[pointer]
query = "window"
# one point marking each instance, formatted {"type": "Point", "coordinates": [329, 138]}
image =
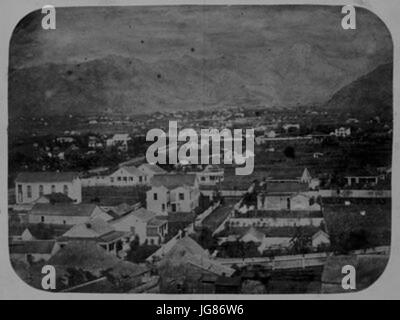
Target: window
{"type": "Point", "coordinates": [112, 180]}
{"type": "Point", "coordinates": [64, 222]}
{"type": "Point", "coordinates": [42, 219]}
{"type": "Point", "coordinates": [140, 179]}
{"type": "Point", "coordinates": [151, 241]}
{"type": "Point", "coordinates": [155, 197]}
{"type": "Point", "coordinates": [29, 191]}
{"type": "Point", "coordinates": [126, 179]}
{"type": "Point", "coordinates": [119, 178]}
{"type": "Point", "coordinates": [181, 196]}
{"type": "Point", "coordinates": [203, 178]}
{"type": "Point", "coordinates": [173, 207]}
{"type": "Point", "coordinates": [19, 193]}
{"type": "Point", "coordinates": [130, 178]}
{"type": "Point", "coordinates": [163, 207]}
{"type": "Point", "coordinates": [66, 190]}
{"type": "Point", "coordinates": [53, 189]}
{"type": "Point", "coordinates": [40, 190]}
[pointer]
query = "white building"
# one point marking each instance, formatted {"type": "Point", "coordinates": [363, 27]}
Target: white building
{"type": "Point", "coordinates": [151, 169]}
{"type": "Point", "coordinates": [173, 193]}
{"type": "Point", "coordinates": [211, 175]}
{"type": "Point", "coordinates": [144, 224]}
{"type": "Point", "coordinates": [120, 141]}
{"type": "Point", "coordinates": [128, 176]}
{"type": "Point", "coordinates": [320, 238]}
{"type": "Point", "coordinates": [65, 214]}
{"type": "Point", "coordinates": [30, 186]}
{"type": "Point", "coordinates": [342, 132]}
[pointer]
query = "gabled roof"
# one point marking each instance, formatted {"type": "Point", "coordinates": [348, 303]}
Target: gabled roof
{"type": "Point", "coordinates": [144, 214]}
{"type": "Point", "coordinates": [255, 233]}
{"type": "Point", "coordinates": [153, 168]}
{"type": "Point", "coordinates": [63, 209]}
{"type": "Point", "coordinates": [188, 251]}
{"type": "Point", "coordinates": [94, 228]}
{"type": "Point", "coordinates": [320, 232]}
{"type": "Point", "coordinates": [32, 247]}
{"type": "Point", "coordinates": [132, 170]}
{"type": "Point", "coordinates": [46, 177]}
{"type": "Point", "coordinates": [173, 181]}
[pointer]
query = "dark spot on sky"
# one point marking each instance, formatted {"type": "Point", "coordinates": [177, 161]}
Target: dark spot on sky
{"type": "Point", "coordinates": [69, 72]}
{"type": "Point", "coordinates": [192, 49]}
{"type": "Point", "coordinates": [141, 41]}
{"type": "Point", "coordinates": [159, 76]}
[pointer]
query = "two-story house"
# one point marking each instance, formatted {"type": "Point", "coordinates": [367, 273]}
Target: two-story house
{"type": "Point", "coordinates": [30, 186]}
{"type": "Point", "coordinates": [144, 224]}
{"type": "Point", "coordinates": [173, 193]}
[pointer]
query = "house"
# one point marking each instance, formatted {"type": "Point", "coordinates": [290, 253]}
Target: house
{"type": "Point", "coordinates": [65, 140]}
{"type": "Point", "coordinates": [150, 170]}
{"type": "Point", "coordinates": [30, 186]}
{"type": "Point", "coordinates": [120, 141]}
{"type": "Point", "coordinates": [19, 233]}
{"type": "Point", "coordinates": [94, 143]}
{"type": "Point", "coordinates": [65, 213]}
{"type": "Point", "coordinates": [320, 238]}
{"type": "Point", "coordinates": [101, 232]}
{"type": "Point", "coordinates": [91, 262]}
{"type": "Point", "coordinates": [211, 175]}
{"type": "Point", "coordinates": [342, 132]}
{"type": "Point", "coordinates": [297, 202]}
{"type": "Point", "coordinates": [31, 251]}
{"type": "Point", "coordinates": [144, 224]}
{"type": "Point", "coordinates": [291, 174]}
{"type": "Point", "coordinates": [173, 193]}
{"type": "Point", "coordinates": [186, 264]}
{"type": "Point", "coordinates": [128, 176]}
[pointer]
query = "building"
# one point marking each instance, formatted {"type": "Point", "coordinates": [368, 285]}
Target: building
{"type": "Point", "coordinates": [65, 214]}
{"type": "Point", "coordinates": [120, 141]}
{"type": "Point", "coordinates": [151, 169]}
{"type": "Point", "coordinates": [320, 238]}
{"type": "Point", "coordinates": [101, 232]}
{"type": "Point", "coordinates": [342, 132]}
{"type": "Point", "coordinates": [94, 143]}
{"type": "Point", "coordinates": [211, 175]}
{"type": "Point", "coordinates": [285, 201]}
{"type": "Point", "coordinates": [128, 176]}
{"type": "Point", "coordinates": [122, 177]}
{"type": "Point", "coordinates": [30, 186]}
{"type": "Point", "coordinates": [294, 174]}
{"type": "Point", "coordinates": [31, 251]}
{"type": "Point", "coordinates": [144, 224]}
{"type": "Point", "coordinates": [173, 193]}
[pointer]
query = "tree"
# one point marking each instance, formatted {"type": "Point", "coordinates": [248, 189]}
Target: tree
{"type": "Point", "coordinates": [289, 152]}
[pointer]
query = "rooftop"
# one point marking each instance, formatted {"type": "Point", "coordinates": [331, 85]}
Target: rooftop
{"type": "Point", "coordinates": [32, 177]}
{"type": "Point", "coordinates": [172, 181]}
{"type": "Point", "coordinates": [32, 247]}
{"type": "Point", "coordinates": [63, 209]}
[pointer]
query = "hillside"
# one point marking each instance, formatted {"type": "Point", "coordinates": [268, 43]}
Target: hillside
{"type": "Point", "coordinates": [368, 96]}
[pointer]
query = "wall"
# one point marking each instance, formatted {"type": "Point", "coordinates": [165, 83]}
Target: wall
{"type": "Point", "coordinates": [74, 190]}
{"type": "Point", "coordinates": [275, 222]}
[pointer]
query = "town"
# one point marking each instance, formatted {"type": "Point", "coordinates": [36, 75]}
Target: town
{"type": "Point", "coordinates": [84, 199]}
